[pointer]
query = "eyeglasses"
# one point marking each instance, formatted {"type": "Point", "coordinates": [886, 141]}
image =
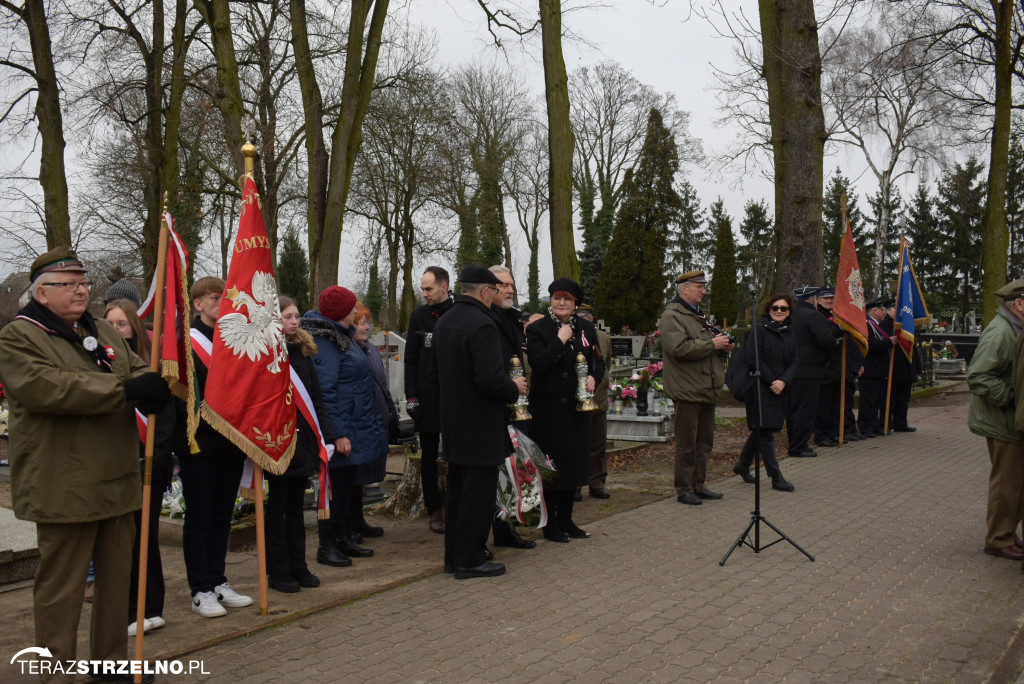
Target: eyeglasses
{"type": "Point", "coordinates": [780, 309]}
{"type": "Point", "coordinates": [494, 288]}
{"type": "Point", "coordinates": [562, 299]}
{"type": "Point", "coordinates": [122, 325]}
{"type": "Point", "coordinates": [71, 285]}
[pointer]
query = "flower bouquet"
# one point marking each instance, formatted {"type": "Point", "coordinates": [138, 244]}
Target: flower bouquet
{"type": "Point", "coordinates": [520, 482]}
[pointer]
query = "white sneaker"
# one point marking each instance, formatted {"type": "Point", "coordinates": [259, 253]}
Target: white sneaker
{"type": "Point", "coordinates": [205, 603]}
{"type": "Point", "coordinates": [155, 622]}
{"type": "Point", "coordinates": [231, 598]}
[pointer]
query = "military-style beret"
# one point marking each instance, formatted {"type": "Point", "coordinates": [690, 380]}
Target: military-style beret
{"type": "Point", "coordinates": [57, 259]}
{"type": "Point", "coordinates": [475, 273]}
{"type": "Point", "coordinates": [875, 303]}
{"type": "Point", "coordinates": [806, 291]}
{"type": "Point", "coordinates": [1012, 290]}
{"type": "Point", "coordinates": [691, 277]}
{"type": "Point", "coordinates": [585, 307]}
{"type": "Point", "coordinates": [566, 285]}
{"type": "Point", "coordinates": [827, 291]}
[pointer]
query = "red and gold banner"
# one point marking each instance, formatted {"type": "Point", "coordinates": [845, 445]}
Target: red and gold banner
{"type": "Point", "coordinates": [249, 396]}
{"type": "Point", "coordinates": [848, 310]}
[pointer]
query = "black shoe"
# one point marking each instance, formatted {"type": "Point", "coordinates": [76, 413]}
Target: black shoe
{"type": "Point", "coordinates": [556, 534]}
{"type": "Point", "coordinates": [578, 495]}
{"type": "Point", "coordinates": [285, 585]}
{"type": "Point", "coordinates": [806, 453]}
{"type": "Point", "coordinates": [743, 473]}
{"type": "Point", "coordinates": [905, 428]}
{"type": "Point", "coordinates": [867, 435]}
{"type": "Point", "coordinates": [356, 537]}
{"type": "Point", "coordinates": [510, 538]}
{"type": "Point", "coordinates": [488, 554]}
{"type": "Point", "coordinates": [782, 484]}
{"type": "Point", "coordinates": [601, 493]}
{"type": "Point", "coordinates": [306, 579]}
{"type": "Point", "coordinates": [689, 498]}
{"type": "Point", "coordinates": [487, 569]}
{"type": "Point", "coordinates": [573, 530]}
{"type": "Point", "coordinates": [824, 442]}
{"type": "Point", "coordinates": [330, 555]}
{"type": "Point", "coordinates": [367, 530]}
{"type": "Point", "coordinates": [708, 494]}
{"type": "Point", "coordinates": [853, 437]}
{"type": "Point", "coordinates": [351, 548]}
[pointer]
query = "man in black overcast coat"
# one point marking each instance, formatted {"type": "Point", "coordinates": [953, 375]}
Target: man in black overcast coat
{"type": "Point", "coordinates": [475, 389]}
{"type": "Point", "coordinates": [816, 337]}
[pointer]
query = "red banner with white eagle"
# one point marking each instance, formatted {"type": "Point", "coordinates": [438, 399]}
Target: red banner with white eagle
{"type": "Point", "coordinates": [249, 396]}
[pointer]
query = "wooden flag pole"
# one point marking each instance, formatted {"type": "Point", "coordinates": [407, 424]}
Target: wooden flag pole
{"type": "Point", "coordinates": [842, 394]}
{"type": "Point", "coordinates": [147, 478]}
{"type": "Point", "coordinates": [261, 541]}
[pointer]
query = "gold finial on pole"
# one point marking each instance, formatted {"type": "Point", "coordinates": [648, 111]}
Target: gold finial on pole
{"type": "Point", "coordinates": [248, 149]}
{"type": "Point", "coordinates": [167, 201]}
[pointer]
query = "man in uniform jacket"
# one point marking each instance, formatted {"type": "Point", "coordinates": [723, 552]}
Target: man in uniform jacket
{"type": "Point", "coordinates": [991, 415]}
{"type": "Point", "coordinates": [73, 385]}
{"type": "Point", "coordinates": [474, 389]}
{"type": "Point", "coordinates": [420, 390]}
{"type": "Point", "coordinates": [510, 332]}
{"type": "Point", "coordinates": [876, 372]}
{"type": "Point", "coordinates": [904, 372]}
{"type": "Point", "coordinates": [693, 375]}
{"type": "Point", "coordinates": [816, 338]}
{"type": "Point", "coordinates": [826, 423]}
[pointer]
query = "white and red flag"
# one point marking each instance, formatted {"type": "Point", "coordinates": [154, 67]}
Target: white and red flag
{"type": "Point", "coordinates": [848, 310]}
{"type": "Point", "coordinates": [249, 397]}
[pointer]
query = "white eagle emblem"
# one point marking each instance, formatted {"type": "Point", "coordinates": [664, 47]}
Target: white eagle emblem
{"type": "Point", "coordinates": [856, 288]}
{"type": "Point", "coordinates": [261, 331]}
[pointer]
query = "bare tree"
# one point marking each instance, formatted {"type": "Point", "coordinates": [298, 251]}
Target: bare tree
{"type": "Point", "coordinates": [527, 188]}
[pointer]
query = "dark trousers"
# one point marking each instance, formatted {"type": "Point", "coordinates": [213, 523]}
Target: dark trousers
{"type": "Point", "coordinates": [695, 436]}
{"type": "Point", "coordinates": [340, 523]}
{"type": "Point", "coordinates": [154, 567]}
{"type": "Point", "coordinates": [826, 424]}
{"type": "Point", "coordinates": [872, 404]}
{"type": "Point", "coordinates": [64, 553]}
{"type": "Point", "coordinates": [285, 527]}
{"type": "Point", "coordinates": [471, 491]}
{"type": "Point", "coordinates": [899, 404]}
{"type": "Point", "coordinates": [598, 450]}
{"type": "Point", "coordinates": [762, 441]}
{"type": "Point", "coordinates": [430, 443]}
{"type": "Point", "coordinates": [802, 411]}
{"type": "Point", "coordinates": [849, 419]}
{"type": "Point", "coordinates": [209, 484]}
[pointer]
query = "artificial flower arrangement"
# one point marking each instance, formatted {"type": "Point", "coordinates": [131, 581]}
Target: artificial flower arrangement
{"type": "Point", "coordinates": [521, 482]}
{"type": "Point", "coordinates": [643, 379]}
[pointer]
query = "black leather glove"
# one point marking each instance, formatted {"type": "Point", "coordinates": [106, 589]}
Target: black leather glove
{"type": "Point", "coordinates": [149, 391]}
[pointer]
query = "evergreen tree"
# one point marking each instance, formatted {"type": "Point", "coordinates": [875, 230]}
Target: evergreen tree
{"type": "Point", "coordinates": [468, 250]}
{"type": "Point", "coordinates": [592, 255]}
{"type": "Point", "coordinates": [1015, 203]}
{"type": "Point", "coordinates": [960, 208]}
{"type": "Point", "coordinates": [926, 251]}
{"type": "Point", "coordinates": [891, 248]}
{"type": "Point", "coordinates": [632, 273]}
{"type": "Point", "coordinates": [722, 292]}
{"type": "Point", "coordinates": [375, 298]}
{"type": "Point", "coordinates": [833, 228]}
{"type": "Point", "coordinates": [293, 270]}
{"type": "Point", "coordinates": [689, 244]}
{"type": "Point", "coordinates": [753, 258]}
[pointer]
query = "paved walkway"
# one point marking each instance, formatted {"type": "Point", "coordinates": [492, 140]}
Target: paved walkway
{"type": "Point", "coordinates": [900, 591]}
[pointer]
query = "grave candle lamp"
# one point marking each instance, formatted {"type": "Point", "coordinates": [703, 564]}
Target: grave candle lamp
{"type": "Point", "coordinates": [584, 398]}
{"type": "Point", "coordinates": [521, 408]}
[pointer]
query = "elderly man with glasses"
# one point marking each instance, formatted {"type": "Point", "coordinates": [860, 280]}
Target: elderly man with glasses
{"type": "Point", "coordinates": [991, 415]}
{"type": "Point", "coordinates": [73, 385]}
{"type": "Point", "coordinates": [693, 376]}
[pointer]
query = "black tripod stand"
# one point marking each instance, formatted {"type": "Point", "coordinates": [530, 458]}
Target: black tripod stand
{"type": "Point", "coordinates": [755, 516]}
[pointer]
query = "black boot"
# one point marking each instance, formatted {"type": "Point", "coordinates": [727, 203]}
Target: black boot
{"type": "Point", "coordinates": [565, 506]}
{"type": "Point", "coordinates": [359, 524]}
{"type": "Point", "coordinates": [328, 553]}
{"type": "Point", "coordinates": [505, 535]}
{"type": "Point", "coordinates": [346, 543]}
{"type": "Point", "coordinates": [553, 530]}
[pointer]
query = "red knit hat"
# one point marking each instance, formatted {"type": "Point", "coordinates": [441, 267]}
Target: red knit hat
{"type": "Point", "coordinates": [336, 302]}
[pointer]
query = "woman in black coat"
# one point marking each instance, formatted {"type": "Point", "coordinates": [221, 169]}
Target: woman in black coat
{"type": "Point", "coordinates": [776, 347]}
{"type": "Point", "coordinates": [563, 433]}
{"type": "Point", "coordinates": [285, 528]}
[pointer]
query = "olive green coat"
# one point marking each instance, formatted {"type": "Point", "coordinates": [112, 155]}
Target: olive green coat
{"type": "Point", "coordinates": [693, 370]}
{"type": "Point", "coordinates": [990, 378]}
{"type": "Point", "coordinates": [74, 442]}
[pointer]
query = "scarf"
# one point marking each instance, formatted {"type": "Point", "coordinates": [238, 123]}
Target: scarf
{"type": "Point", "coordinates": [439, 310]}
{"type": "Point", "coordinates": [38, 315]}
{"type": "Point", "coordinates": [570, 345]}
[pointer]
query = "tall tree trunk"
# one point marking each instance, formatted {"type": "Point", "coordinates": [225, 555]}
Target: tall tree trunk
{"type": "Point", "coordinates": [360, 68]}
{"type": "Point", "coordinates": [877, 285]}
{"type": "Point", "coordinates": [564, 262]}
{"type": "Point", "coordinates": [170, 168]}
{"type": "Point", "coordinates": [995, 237]}
{"type": "Point", "coordinates": [792, 70]}
{"type": "Point", "coordinates": [217, 15]}
{"type": "Point", "coordinates": [52, 174]}
{"type": "Point", "coordinates": [153, 136]}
